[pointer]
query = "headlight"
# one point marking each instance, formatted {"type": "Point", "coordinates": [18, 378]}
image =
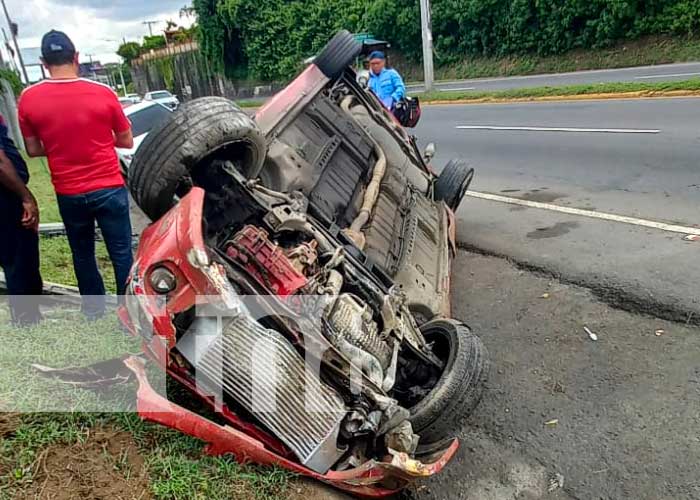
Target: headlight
{"type": "Point", "coordinates": [162, 280]}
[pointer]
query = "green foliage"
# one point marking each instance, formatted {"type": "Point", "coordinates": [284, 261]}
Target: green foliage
{"type": "Point", "coordinates": [167, 70]}
{"type": "Point", "coordinates": [154, 42]}
{"type": "Point", "coordinates": [596, 89]}
{"type": "Point", "coordinates": [129, 51]}
{"type": "Point", "coordinates": [183, 35]}
{"type": "Point", "coordinates": [13, 78]}
{"type": "Point", "coordinates": [268, 40]}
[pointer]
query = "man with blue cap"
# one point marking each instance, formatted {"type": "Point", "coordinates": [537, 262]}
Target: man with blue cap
{"type": "Point", "coordinates": [385, 82]}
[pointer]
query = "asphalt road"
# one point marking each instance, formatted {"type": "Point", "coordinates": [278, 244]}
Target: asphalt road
{"type": "Point", "coordinates": [650, 173]}
{"type": "Point", "coordinates": [659, 73]}
{"type": "Point", "coordinates": [612, 419]}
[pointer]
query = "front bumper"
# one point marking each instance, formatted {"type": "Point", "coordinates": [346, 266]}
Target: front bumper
{"type": "Point", "coordinates": [373, 479]}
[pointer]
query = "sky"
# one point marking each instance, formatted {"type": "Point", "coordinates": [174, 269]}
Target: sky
{"type": "Point", "coordinates": [96, 27]}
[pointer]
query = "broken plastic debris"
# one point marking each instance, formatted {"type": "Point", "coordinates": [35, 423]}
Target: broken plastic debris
{"type": "Point", "coordinates": [692, 237]}
{"type": "Point", "coordinates": [556, 482]}
{"type": "Point", "coordinates": [552, 423]}
{"type": "Point", "coordinates": [591, 335]}
{"type": "Point", "coordinates": [659, 332]}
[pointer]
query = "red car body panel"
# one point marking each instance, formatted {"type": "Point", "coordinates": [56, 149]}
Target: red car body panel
{"type": "Point", "coordinates": [306, 86]}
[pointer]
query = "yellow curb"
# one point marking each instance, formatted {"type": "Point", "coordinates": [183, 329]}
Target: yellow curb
{"type": "Point", "coordinates": [642, 94]}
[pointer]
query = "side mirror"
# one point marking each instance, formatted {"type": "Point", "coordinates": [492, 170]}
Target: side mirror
{"type": "Point", "coordinates": [429, 152]}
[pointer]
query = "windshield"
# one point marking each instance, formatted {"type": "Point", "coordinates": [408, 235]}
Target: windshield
{"type": "Point", "coordinates": [143, 121]}
{"type": "Point", "coordinates": [161, 95]}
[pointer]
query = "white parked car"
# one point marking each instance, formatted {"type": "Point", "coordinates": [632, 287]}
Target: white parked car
{"type": "Point", "coordinates": [143, 116]}
{"type": "Point", "coordinates": [134, 97]}
{"type": "Point", "coordinates": [126, 102]}
{"type": "Point", "coordinates": [163, 97]}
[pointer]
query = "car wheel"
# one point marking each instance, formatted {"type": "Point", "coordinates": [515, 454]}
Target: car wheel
{"type": "Point", "coordinates": [440, 400]}
{"type": "Point", "coordinates": [179, 153]}
{"type": "Point", "coordinates": [338, 54]}
{"type": "Point", "coordinates": [452, 184]}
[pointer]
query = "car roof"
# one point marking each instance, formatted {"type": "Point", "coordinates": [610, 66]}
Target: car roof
{"type": "Point", "coordinates": [135, 108]}
{"type": "Point", "coordinates": [157, 91]}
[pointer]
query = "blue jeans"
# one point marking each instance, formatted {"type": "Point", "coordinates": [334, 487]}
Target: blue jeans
{"type": "Point", "coordinates": [110, 209]}
{"type": "Point", "coordinates": [19, 258]}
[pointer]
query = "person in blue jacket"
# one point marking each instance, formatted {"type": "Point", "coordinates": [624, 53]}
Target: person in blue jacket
{"type": "Point", "coordinates": [385, 82]}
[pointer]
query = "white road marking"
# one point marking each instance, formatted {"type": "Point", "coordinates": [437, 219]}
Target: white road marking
{"type": "Point", "coordinates": [647, 77]}
{"type": "Point", "coordinates": [457, 90]}
{"type": "Point", "coordinates": [561, 129]}
{"type": "Point", "coordinates": [586, 213]}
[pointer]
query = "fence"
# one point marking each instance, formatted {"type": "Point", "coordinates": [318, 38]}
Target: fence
{"type": "Point", "coordinates": [183, 70]}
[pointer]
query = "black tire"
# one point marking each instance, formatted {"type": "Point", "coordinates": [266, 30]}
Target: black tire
{"type": "Point", "coordinates": [460, 387]}
{"type": "Point", "coordinates": [338, 54]}
{"type": "Point", "coordinates": [453, 183]}
{"type": "Point", "coordinates": [178, 150]}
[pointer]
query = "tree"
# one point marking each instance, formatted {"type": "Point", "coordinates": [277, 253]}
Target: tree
{"type": "Point", "coordinates": [129, 51]}
{"type": "Point", "coordinates": [188, 11]}
{"type": "Point", "coordinates": [268, 40]}
{"type": "Point", "coordinates": [154, 42]}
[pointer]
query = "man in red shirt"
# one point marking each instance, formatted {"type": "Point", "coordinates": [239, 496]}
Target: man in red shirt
{"type": "Point", "coordinates": [77, 124]}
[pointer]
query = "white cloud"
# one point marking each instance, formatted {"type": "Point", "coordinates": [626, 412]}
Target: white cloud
{"type": "Point", "coordinates": [96, 27]}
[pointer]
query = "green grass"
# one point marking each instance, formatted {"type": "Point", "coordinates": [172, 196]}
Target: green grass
{"type": "Point", "coordinates": [57, 262]}
{"type": "Point", "coordinates": [642, 52]}
{"type": "Point", "coordinates": [256, 103]}
{"type": "Point", "coordinates": [40, 185]}
{"type": "Point", "coordinates": [65, 338]}
{"type": "Point", "coordinates": [567, 90]}
{"type": "Point", "coordinates": [175, 464]}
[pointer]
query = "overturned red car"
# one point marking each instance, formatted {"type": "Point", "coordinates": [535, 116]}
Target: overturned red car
{"type": "Point", "coordinates": [296, 279]}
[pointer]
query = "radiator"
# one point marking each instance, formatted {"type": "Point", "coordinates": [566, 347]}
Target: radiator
{"type": "Point", "coordinates": [260, 370]}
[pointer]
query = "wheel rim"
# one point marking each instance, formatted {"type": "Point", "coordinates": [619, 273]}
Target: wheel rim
{"type": "Point", "coordinates": [428, 377]}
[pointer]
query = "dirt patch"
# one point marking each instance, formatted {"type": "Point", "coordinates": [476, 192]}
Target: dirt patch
{"type": "Point", "coordinates": [106, 466]}
{"type": "Point", "coordinates": [305, 489]}
{"type": "Point", "coordinates": [8, 424]}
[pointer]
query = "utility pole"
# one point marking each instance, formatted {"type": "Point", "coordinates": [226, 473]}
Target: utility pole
{"type": "Point", "coordinates": [13, 63]}
{"type": "Point", "coordinates": [13, 30]}
{"type": "Point", "coordinates": [121, 75]}
{"type": "Point", "coordinates": [121, 63]}
{"type": "Point", "coordinates": [147, 23]}
{"type": "Point", "coordinates": [426, 28]}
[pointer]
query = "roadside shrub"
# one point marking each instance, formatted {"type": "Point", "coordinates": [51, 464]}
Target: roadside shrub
{"type": "Point", "coordinates": [13, 78]}
{"type": "Point", "coordinates": [268, 40]}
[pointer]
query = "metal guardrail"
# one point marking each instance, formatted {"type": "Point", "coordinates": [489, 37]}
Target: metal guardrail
{"type": "Point", "coordinates": [67, 293]}
{"type": "Point", "coordinates": [52, 229]}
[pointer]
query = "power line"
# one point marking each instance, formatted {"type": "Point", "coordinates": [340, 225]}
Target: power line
{"type": "Point", "coordinates": [13, 32]}
{"type": "Point", "coordinates": [147, 23]}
